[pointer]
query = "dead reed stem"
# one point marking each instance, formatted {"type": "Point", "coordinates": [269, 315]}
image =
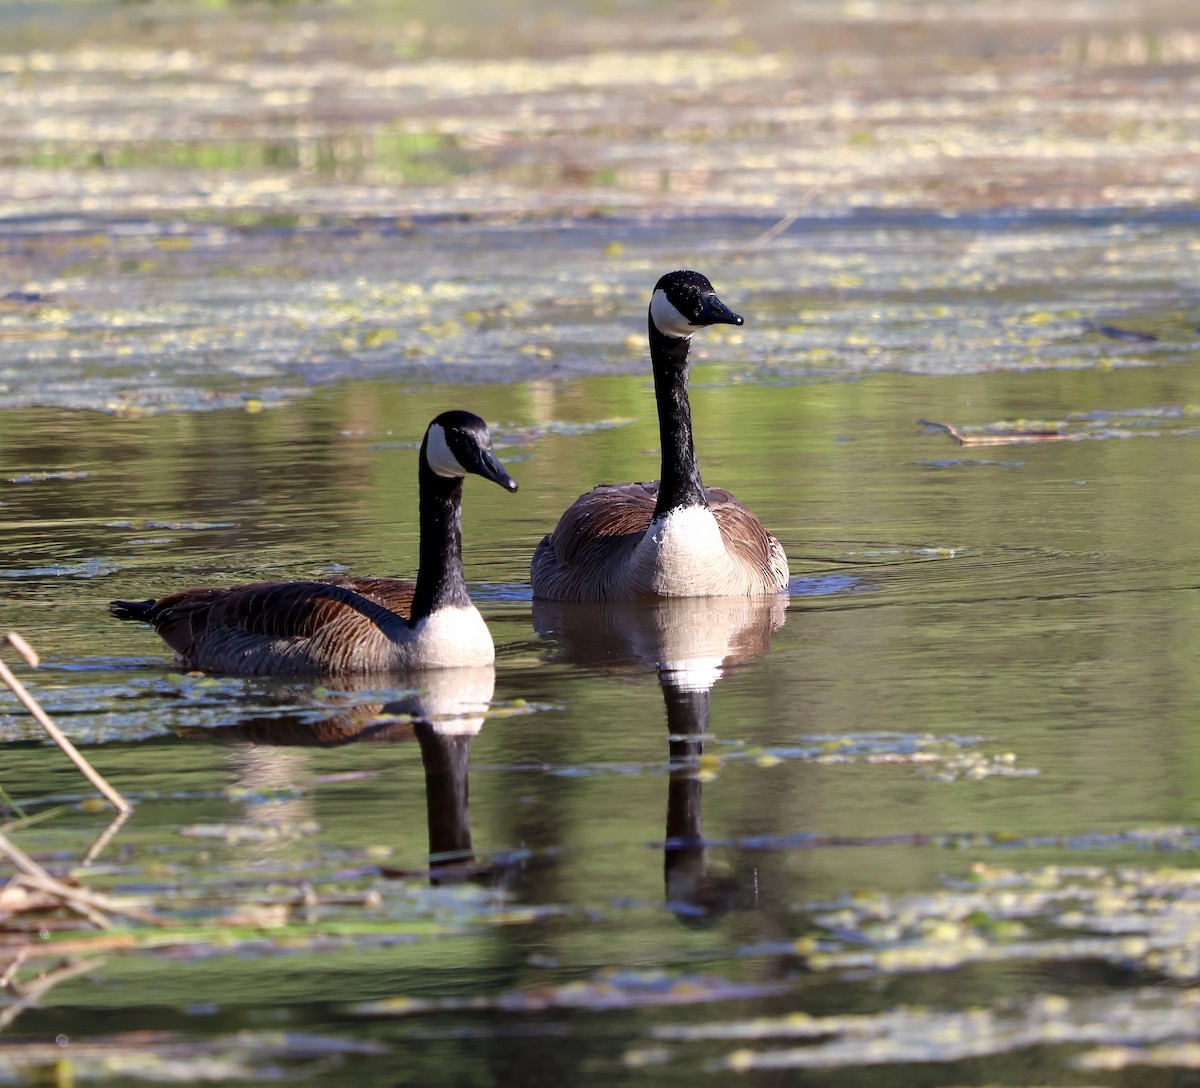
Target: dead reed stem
{"type": "Point", "coordinates": [105, 838]}
{"type": "Point", "coordinates": [34, 874]}
{"type": "Point", "coordinates": [47, 723]}
{"type": "Point", "coordinates": [92, 905]}
{"type": "Point", "coordinates": [30, 993]}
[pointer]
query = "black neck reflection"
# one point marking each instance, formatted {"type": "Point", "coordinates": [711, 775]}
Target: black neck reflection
{"type": "Point", "coordinates": [685, 857]}
{"type": "Point", "coordinates": [446, 758]}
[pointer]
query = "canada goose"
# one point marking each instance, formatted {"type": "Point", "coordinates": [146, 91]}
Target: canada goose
{"type": "Point", "coordinates": [675, 537]}
{"type": "Point", "coordinates": [350, 625]}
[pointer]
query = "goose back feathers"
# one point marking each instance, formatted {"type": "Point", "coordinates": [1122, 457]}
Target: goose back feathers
{"type": "Point", "coordinates": [350, 625]}
{"type": "Point", "coordinates": [674, 537]}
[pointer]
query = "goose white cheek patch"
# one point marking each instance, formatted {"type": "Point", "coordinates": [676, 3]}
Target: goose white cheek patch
{"type": "Point", "coordinates": [666, 318]}
{"type": "Point", "coordinates": [438, 455]}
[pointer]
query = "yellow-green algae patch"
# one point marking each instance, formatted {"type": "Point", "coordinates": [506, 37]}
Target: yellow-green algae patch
{"type": "Point", "coordinates": [1139, 919]}
{"type": "Point", "coordinates": [1142, 1019]}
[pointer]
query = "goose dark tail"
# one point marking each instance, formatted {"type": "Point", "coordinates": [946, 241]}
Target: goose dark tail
{"type": "Point", "coordinates": [132, 610]}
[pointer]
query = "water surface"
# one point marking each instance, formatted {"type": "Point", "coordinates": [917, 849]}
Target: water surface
{"type": "Point", "coordinates": [986, 662]}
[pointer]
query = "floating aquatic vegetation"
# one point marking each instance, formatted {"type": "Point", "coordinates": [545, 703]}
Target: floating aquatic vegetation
{"type": "Point", "coordinates": [604, 991]}
{"type": "Point", "coordinates": [119, 400]}
{"type": "Point", "coordinates": [1140, 920]}
{"type": "Point", "coordinates": [273, 910]}
{"type": "Point", "coordinates": [1137, 919]}
{"type": "Point", "coordinates": [132, 706]}
{"type": "Point", "coordinates": [1146, 1022]}
{"type": "Point", "coordinates": [942, 758]}
{"type": "Point", "coordinates": [1110, 1058]}
{"type": "Point", "coordinates": [94, 567]}
{"type": "Point", "coordinates": [180, 526]}
{"type": "Point", "coordinates": [209, 221]}
{"type": "Point", "coordinates": [883, 554]}
{"type": "Point", "coordinates": [163, 1057]}
{"type": "Point", "coordinates": [1167, 840]}
{"type": "Point", "coordinates": [231, 834]}
{"type": "Point", "coordinates": [940, 552]}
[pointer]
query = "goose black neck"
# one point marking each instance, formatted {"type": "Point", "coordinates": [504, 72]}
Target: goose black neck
{"type": "Point", "coordinates": [440, 582]}
{"type": "Point", "coordinates": [679, 485]}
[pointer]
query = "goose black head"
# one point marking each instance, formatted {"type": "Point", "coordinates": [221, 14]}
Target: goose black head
{"type": "Point", "coordinates": [457, 443]}
{"type": "Point", "coordinates": [684, 302]}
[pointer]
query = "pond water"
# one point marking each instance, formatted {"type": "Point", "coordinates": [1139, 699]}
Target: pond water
{"type": "Point", "coordinates": [931, 819]}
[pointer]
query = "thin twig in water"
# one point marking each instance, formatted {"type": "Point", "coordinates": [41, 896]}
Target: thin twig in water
{"type": "Point", "coordinates": [30, 993]}
{"type": "Point", "coordinates": [47, 723]}
{"type": "Point", "coordinates": [36, 818]}
{"type": "Point", "coordinates": [93, 905]}
{"type": "Point", "coordinates": [773, 231]}
{"type": "Point", "coordinates": [75, 898]}
{"type": "Point", "coordinates": [778, 227]}
{"type": "Point", "coordinates": [995, 438]}
{"type": "Point", "coordinates": [105, 838]}
{"type": "Point", "coordinates": [8, 801]}
{"type": "Point", "coordinates": [14, 967]}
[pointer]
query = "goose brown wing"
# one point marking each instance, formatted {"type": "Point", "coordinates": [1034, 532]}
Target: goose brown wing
{"type": "Point", "coordinates": [601, 518]}
{"type": "Point", "coordinates": [592, 542]}
{"type": "Point", "coordinates": [394, 594]}
{"type": "Point", "coordinates": [746, 538]}
{"type": "Point", "coordinates": [272, 610]}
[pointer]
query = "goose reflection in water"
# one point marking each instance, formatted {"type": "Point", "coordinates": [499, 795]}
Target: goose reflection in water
{"type": "Point", "coordinates": [443, 716]}
{"type": "Point", "coordinates": [692, 643]}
